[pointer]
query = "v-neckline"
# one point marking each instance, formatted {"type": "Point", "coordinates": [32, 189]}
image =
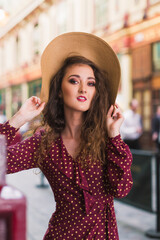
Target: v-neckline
{"type": "Point", "coordinates": [66, 150]}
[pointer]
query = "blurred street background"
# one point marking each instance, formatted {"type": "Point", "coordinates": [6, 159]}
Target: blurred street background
{"type": "Point", "coordinates": [132, 28]}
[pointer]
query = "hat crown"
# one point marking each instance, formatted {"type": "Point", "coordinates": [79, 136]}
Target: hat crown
{"type": "Point", "coordinates": [82, 44]}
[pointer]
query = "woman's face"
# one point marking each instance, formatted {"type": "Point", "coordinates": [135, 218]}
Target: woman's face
{"type": "Point", "coordinates": [78, 87]}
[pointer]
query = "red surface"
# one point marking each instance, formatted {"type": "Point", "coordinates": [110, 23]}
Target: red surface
{"type": "Point", "coordinates": [13, 213]}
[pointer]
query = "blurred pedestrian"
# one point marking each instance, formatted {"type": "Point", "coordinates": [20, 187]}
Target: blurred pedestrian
{"type": "Point", "coordinates": [79, 149]}
{"type": "Point", "coordinates": [156, 128]}
{"type": "Point", "coordinates": [131, 129]}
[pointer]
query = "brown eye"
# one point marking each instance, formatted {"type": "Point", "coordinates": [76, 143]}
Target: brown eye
{"type": "Point", "coordinates": [92, 84]}
{"type": "Point", "coordinates": [73, 81]}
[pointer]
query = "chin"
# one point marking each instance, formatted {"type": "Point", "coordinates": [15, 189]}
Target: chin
{"type": "Point", "coordinates": [81, 110]}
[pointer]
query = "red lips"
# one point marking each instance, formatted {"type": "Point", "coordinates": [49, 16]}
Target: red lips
{"type": "Point", "coordinates": [81, 98]}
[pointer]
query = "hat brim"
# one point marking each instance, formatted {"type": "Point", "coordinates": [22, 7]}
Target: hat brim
{"type": "Point", "coordinates": [81, 44]}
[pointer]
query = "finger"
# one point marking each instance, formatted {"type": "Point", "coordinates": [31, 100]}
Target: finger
{"type": "Point", "coordinates": [116, 105]}
{"type": "Point", "coordinates": [36, 101]}
{"type": "Point", "coordinates": [110, 111]}
{"type": "Point", "coordinates": [41, 106]}
{"type": "Point", "coordinates": [33, 98]}
{"type": "Point", "coordinates": [119, 115]}
{"type": "Point", "coordinates": [117, 111]}
{"type": "Point", "coordinates": [114, 111]}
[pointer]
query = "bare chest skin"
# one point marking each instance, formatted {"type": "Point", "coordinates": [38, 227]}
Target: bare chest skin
{"type": "Point", "coordinates": [71, 146]}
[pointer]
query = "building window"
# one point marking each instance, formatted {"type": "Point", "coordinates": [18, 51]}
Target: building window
{"type": "Point", "coordinates": [101, 13]}
{"type": "Point", "coordinates": [36, 39]}
{"type": "Point", "coordinates": [155, 99]}
{"type": "Point", "coordinates": [16, 98]}
{"type": "Point", "coordinates": [17, 59]}
{"type": "Point", "coordinates": [156, 57]}
{"type": "Point", "coordinates": [141, 62]}
{"type": "Point", "coordinates": [35, 88]}
{"type": "Point", "coordinates": [146, 109]}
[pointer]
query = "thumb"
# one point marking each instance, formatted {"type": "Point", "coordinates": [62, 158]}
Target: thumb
{"type": "Point", "coordinates": [41, 107]}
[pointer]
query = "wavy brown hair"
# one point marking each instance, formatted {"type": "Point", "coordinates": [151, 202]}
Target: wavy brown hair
{"type": "Point", "coordinates": [93, 130]}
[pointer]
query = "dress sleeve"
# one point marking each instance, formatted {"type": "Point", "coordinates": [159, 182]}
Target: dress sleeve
{"type": "Point", "coordinates": [118, 168]}
{"type": "Point", "coordinates": [8, 131]}
{"type": "Point", "coordinates": [21, 155]}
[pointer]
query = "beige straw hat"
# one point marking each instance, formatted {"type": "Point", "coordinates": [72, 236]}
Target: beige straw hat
{"type": "Point", "coordinates": [81, 44]}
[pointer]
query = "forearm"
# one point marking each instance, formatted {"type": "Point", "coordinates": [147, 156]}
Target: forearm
{"type": "Point", "coordinates": [17, 120]}
{"type": "Point", "coordinates": [28, 111]}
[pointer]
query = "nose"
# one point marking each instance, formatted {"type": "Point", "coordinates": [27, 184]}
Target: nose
{"type": "Point", "coordinates": [82, 88]}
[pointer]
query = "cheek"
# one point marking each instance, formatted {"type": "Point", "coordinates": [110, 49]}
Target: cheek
{"type": "Point", "coordinates": [67, 91]}
{"type": "Point", "coordinates": [93, 93]}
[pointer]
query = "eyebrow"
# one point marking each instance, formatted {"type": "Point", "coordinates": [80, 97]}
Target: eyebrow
{"type": "Point", "coordinates": [75, 75]}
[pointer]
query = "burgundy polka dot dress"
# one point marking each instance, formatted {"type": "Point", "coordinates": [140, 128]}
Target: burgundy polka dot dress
{"type": "Point", "coordinates": [84, 198]}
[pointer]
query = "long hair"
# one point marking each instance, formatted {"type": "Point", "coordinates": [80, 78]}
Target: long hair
{"type": "Point", "coordinates": [93, 131]}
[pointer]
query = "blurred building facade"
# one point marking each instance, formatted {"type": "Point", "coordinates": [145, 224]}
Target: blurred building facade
{"type": "Point", "coordinates": [132, 28]}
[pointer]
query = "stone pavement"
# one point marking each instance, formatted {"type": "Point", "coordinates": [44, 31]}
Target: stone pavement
{"type": "Point", "coordinates": [132, 222]}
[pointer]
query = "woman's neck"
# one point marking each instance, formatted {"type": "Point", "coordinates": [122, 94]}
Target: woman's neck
{"type": "Point", "coordinates": [73, 123]}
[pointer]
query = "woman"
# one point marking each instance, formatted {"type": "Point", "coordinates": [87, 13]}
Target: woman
{"type": "Point", "coordinates": [78, 147]}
